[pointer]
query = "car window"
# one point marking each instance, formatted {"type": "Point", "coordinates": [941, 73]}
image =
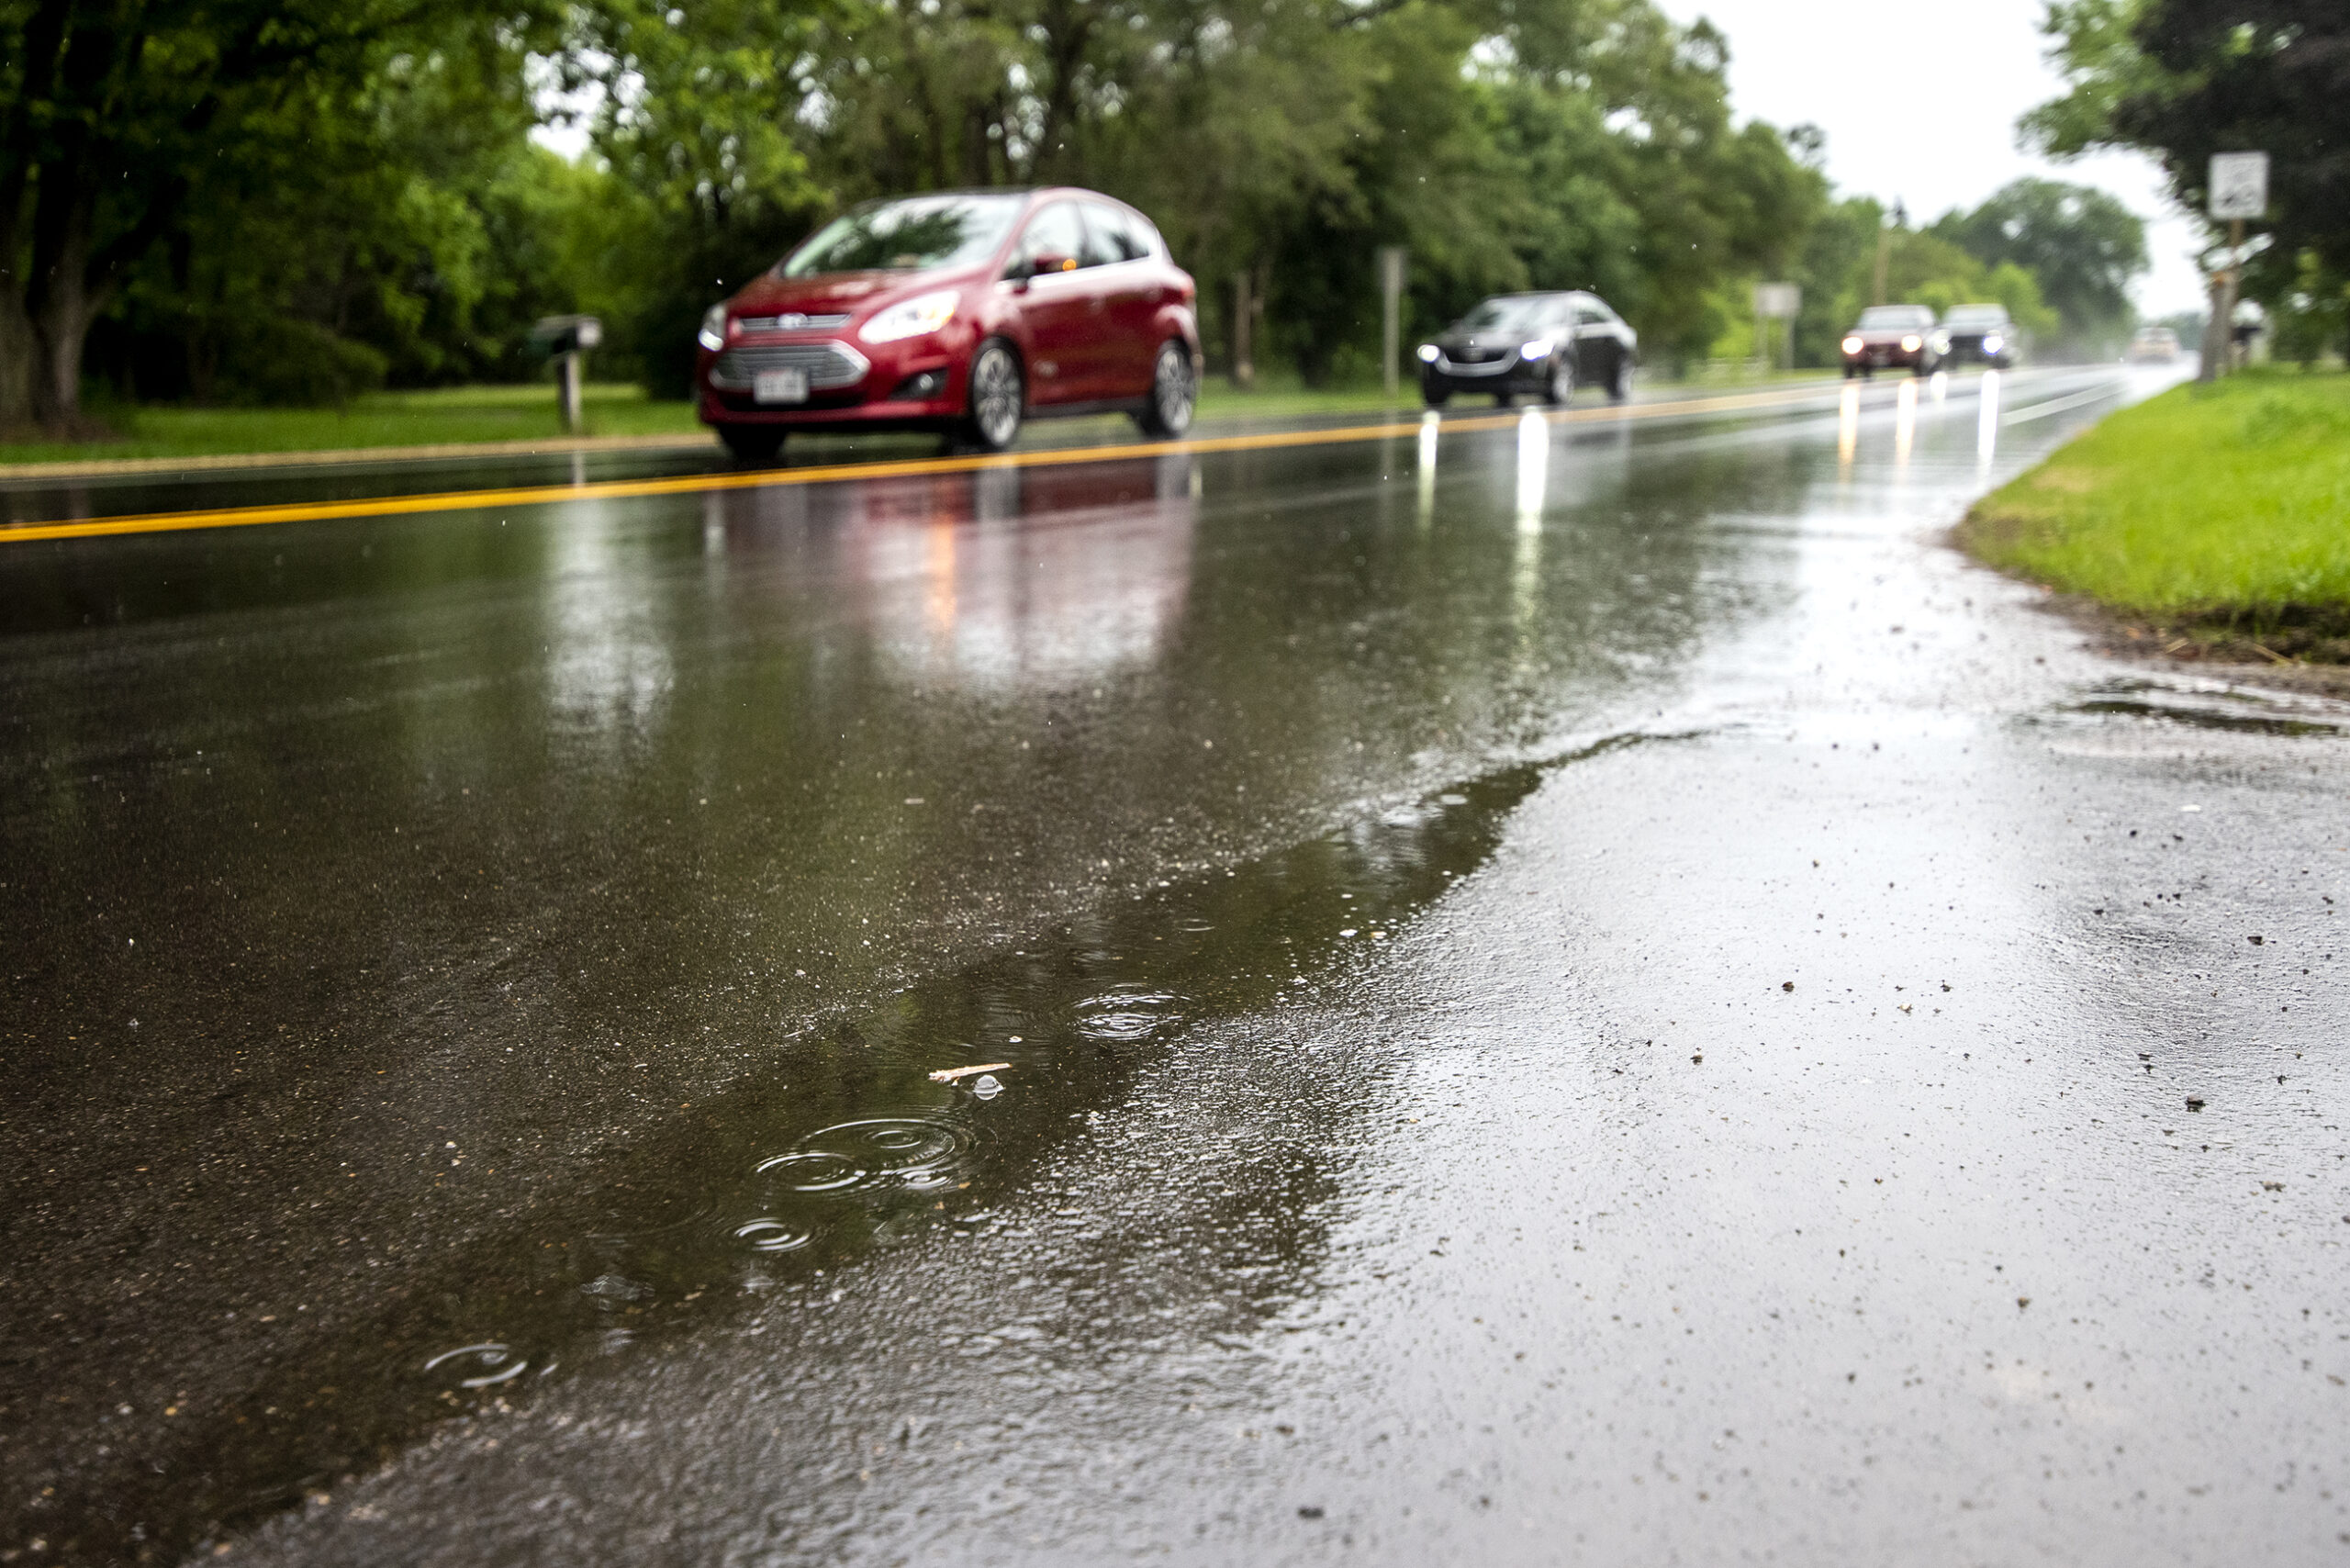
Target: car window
{"type": "Point", "coordinates": [1054, 231]}
{"type": "Point", "coordinates": [1509, 312]}
{"type": "Point", "coordinates": [921, 231]}
{"type": "Point", "coordinates": [1590, 316]}
{"type": "Point", "coordinates": [1109, 236]}
{"type": "Point", "coordinates": [1889, 316]}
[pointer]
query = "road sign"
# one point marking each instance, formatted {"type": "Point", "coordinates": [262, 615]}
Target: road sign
{"type": "Point", "coordinates": [2238, 185]}
{"type": "Point", "coordinates": [1777, 301]}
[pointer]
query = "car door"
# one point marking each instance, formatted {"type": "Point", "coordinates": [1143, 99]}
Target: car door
{"type": "Point", "coordinates": [1597, 349]}
{"type": "Point", "coordinates": [1127, 279]}
{"type": "Point", "coordinates": [1058, 307]}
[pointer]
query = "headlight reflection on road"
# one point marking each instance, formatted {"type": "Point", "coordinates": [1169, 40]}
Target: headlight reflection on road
{"type": "Point", "coordinates": [1848, 427]}
{"type": "Point", "coordinates": [1905, 422]}
{"type": "Point", "coordinates": [1533, 469]}
{"type": "Point", "coordinates": [1940, 383]}
{"type": "Point", "coordinates": [1987, 423]}
{"type": "Point", "coordinates": [1428, 468]}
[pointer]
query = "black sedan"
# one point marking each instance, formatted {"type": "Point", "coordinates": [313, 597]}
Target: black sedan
{"type": "Point", "coordinates": [1541, 345]}
{"type": "Point", "coordinates": [1982, 333]}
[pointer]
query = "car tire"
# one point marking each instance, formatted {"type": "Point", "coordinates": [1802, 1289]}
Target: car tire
{"type": "Point", "coordinates": [753, 443]}
{"type": "Point", "coordinates": [1560, 392]}
{"type": "Point", "coordinates": [1504, 399]}
{"type": "Point", "coordinates": [1435, 397]}
{"type": "Point", "coordinates": [996, 399]}
{"type": "Point", "coordinates": [1619, 386]}
{"type": "Point", "coordinates": [1174, 393]}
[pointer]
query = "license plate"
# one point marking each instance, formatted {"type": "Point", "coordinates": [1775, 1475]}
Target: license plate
{"type": "Point", "coordinates": [781, 386]}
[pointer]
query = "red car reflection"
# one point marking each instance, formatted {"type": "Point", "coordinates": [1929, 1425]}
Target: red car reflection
{"type": "Point", "coordinates": [961, 311]}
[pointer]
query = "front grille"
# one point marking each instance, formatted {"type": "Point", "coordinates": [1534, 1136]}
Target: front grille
{"type": "Point", "coordinates": [1463, 364]}
{"type": "Point", "coordinates": [1480, 357]}
{"type": "Point", "coordinates": [830, 366]}
{"type": "Point", "coordinates": [790, 322]}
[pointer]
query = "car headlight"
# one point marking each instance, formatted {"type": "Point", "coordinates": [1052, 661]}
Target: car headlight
{"type": "Point", "coordinates": [1994, 343]}
{"type": "Point", "coordinates": [1429, 353]}
{"type": "Point", "coordinates": [712, 335]}
{"type": "Point", "coordinates": [1539, 349]}
{"type": "Point", "coordinates": [910, 317]}
{"type": "Point", "coordinates": [1912, 344]}
{"type": "Point", "coordinates": [1853, 345]}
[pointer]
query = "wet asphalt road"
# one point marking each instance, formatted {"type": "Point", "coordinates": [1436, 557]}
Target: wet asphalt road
{"type": "Point", "coordinates": [1579, 992]}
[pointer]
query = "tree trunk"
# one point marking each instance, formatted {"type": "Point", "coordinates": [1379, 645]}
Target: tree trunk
{"type": "Point", "coordinates": [19, 360]}
{"type": "Point", "coordinates": [64, 303]}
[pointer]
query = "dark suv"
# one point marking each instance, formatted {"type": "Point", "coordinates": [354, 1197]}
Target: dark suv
{"type": "Point", "coordinates": [1980, 332]}
{"type": "Point", "coordinates": [1544, 345]}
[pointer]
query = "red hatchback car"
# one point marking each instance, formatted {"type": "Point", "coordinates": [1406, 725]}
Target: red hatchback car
{"type": "Point", "coordinates": [961, 311]}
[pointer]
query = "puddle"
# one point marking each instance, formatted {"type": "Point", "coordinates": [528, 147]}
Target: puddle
{"type": "Point", "coordinates": [848, 1147]}
{"type": "Point", "coordinates": [2238, 712]}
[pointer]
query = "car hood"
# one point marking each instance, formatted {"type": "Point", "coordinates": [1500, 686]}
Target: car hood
{"type": "Point", "coordinates": [838, 294]}
{"type": "Point", "coordinates": [1889, 334]}
{"type": "Point", "coordinates": [1452, 338]}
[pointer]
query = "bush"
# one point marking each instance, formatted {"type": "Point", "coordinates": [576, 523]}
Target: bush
{"type": "Point", "coordinates": [287, 361]}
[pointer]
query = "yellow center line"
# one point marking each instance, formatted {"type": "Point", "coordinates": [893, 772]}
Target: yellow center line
{"type": "Point", "coordinates": [835, 473]}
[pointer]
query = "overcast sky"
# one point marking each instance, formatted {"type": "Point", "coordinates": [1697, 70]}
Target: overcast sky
{"type": "Point", "coordinates": [1929, 113]}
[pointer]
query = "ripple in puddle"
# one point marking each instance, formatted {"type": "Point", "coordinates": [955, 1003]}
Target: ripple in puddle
{"type": "Point", "coordinates": [770, 1234]}
{"type": "Point", "coordinates": [908, 1151]}
{"type": "Point", "coordinates": [812, 1170]}
{"type": "Point", "coordinates": [479, 1366]}
{"type": "Point", "coordinates": [1126, 1014]}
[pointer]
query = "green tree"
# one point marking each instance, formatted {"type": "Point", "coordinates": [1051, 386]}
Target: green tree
{"type": "Point", "coordinates": [130, 125]}
{"type": "Point", "coordinates": [2080, 244]}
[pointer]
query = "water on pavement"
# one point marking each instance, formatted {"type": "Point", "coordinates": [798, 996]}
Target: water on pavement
{"type": "Point", "coordinates": [1549, 991]}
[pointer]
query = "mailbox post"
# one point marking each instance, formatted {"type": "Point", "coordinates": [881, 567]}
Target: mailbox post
{"type": "Point", "coordinates": [568, 338]}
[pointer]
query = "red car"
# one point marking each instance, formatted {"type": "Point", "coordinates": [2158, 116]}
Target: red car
{"type": "Point", "coordinates": [961, 311]}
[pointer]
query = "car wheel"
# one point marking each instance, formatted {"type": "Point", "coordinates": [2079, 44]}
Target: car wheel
{"type": "Point", "coordinates": [998, 397]}
{"type": "Point", "coordinates": [1563, 381]}
{"type": "Point", "coordinates": [752, 444]}
{"type": "Point", "coordinates": [1619, 389]}
{"type": "Point", "coordinates": [1504, 399]}
{"type": "Point", "coordinates": [1435, 397]}
{"type": "Point", "coordinates": [1174, 394]}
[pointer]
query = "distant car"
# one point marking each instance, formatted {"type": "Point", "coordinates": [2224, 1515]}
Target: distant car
{"type": "Point", "coordinates": [2153, 345]}
{"type": "Point", "coordinates": [1979, 334]}
{"type": "Point", "coordinates": [960, 311]}
{"type": "Point", "coordinates": [1892, 337]}
{"type": "Point", "coordinates": [1541, 345]}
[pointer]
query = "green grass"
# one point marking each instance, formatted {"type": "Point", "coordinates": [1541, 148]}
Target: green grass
{"type": "Point", "coordinates": [2214, 506]}
{"type": "Point", "coordinates": [381, 419]}
{"type": "Point", "coordinates": [456, 415]}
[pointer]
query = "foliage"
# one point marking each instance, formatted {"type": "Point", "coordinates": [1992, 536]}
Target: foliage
{"type": "Point", "coordinates": [286, 201]}
{"type": "Point", "coordinates": [2220, 502]}
{"type": "Point", "coordinates": [2080, 244]}
{"type": "Point", "coordinates": [2185, 79]}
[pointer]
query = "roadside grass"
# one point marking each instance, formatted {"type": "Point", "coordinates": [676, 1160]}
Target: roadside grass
{"type": "Point", "coordinates": [466, 415]}
{"type": "Point", "coordinates": [2218, 514]}
{"type": "Point", "coordinates": [444, 416]}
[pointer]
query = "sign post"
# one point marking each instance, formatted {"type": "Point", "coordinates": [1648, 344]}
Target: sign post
{"type": "Point", "coordinates": [2239, 188]}
{"type": "Point", "coordinates": [1391, 315]}
{"type": "Point", "coordinates": [1776, 302]}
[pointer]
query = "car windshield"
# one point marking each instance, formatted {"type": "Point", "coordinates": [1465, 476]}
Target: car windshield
{"type": "Point", "coordinates": [1976, 316]}
{"type": "Point", "coordinates": [1897, 316]}
{"type": "Point", "coordinates": [922, 232]}
{"type": "Point", "coordinates": [1510, 313]}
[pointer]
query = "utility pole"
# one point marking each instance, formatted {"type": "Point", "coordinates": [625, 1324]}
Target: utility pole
{"type": "Point", "coordinates": [1391, 315]}
{"type": "Point", "coordinates": [1244, 310]}
{"type": "Point", "coordinates": [1900, 219]}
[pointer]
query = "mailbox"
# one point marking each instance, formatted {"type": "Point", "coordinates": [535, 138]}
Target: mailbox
{"type": "Point", "coordinates": [565, 339]}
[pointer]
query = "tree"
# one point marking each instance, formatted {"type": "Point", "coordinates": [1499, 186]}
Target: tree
{"type": "Point", "coordinates": [118, 117]}
{"type": "Point", "coordinates": [2183, 79]}
{"type": "Point", "coordinates": [2082, 246]}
